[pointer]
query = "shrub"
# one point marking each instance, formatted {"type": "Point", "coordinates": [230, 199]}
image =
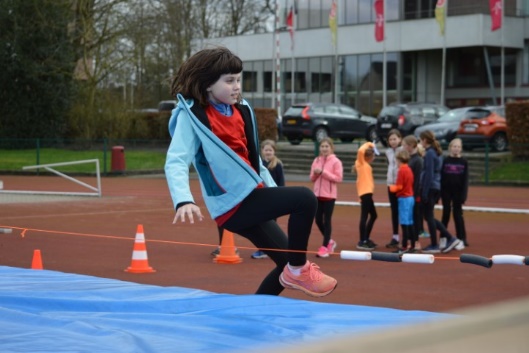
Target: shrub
{"type": "Point", "coordinates": [517, 115]}
{"type": "Point", "coordinates": [266, 123]}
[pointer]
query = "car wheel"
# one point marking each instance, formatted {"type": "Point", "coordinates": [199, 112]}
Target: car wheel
{"type": "Point", "coordinates": [294, 140]}
{"type": "Point", "coordinates": [499, 142]}
{"type": "Point", "coordinates": [371, 134]}
{"type": "Point", "coordinates": [320, 133]}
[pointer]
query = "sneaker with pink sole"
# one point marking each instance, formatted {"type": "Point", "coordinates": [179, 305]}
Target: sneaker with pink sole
{"type": "Point", "coordinates": [322, 252]}
{"type": "Point", "coordinates": [331, 246]}
{"type": "Point", "coordinates": [311, 280]}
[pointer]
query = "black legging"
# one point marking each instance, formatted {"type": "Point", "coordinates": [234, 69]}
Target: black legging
{"type": "Point", "coordinates": [452, 201]}
{"type": "Point", "coordinates": [418, 220]}
{"type": "Point", "coordinates": [368, 216]}
{"type": "Point", "coordinates": [394, 205]}
{"type": "Point", "coordinates": [254, 220]}
{"type": "Point", "coordinates": [323, 219]}
{"type": "Point", "coordinates": [433, 224]}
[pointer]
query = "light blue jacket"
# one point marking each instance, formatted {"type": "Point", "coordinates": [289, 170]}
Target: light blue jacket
{"type": "Point", "coordinates": [225, 179]}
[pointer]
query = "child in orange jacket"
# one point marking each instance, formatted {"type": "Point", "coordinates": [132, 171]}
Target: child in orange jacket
{"type": "Point", "coordinates": [365, 187]}
{"type": "Point", "coordinates": [404, 192]}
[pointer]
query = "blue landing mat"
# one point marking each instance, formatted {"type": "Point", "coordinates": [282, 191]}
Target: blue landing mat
{"type": "Point", "coordinates": [47, 311]}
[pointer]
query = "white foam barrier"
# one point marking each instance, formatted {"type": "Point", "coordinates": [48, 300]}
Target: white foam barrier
{"type": "Point", "coordinates": [355, 255]}
{"type": "Point", "coordinates": [418, 258]}
{"type": "Point", "coordinates": [508, 259]}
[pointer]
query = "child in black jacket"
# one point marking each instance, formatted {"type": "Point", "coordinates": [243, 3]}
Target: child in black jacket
{"type": "Point", "coordinates": [454, 188]}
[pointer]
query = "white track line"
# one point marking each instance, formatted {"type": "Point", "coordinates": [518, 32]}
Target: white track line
{"type": "Point", "coordinates": [465, 208]}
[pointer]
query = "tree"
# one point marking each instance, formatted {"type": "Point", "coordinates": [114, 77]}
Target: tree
{"type": "Point", "coordinates": [36, 57]}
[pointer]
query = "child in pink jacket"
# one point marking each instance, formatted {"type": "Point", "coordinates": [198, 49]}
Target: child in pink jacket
{"type": "Point", "coordinates": [326, 172]}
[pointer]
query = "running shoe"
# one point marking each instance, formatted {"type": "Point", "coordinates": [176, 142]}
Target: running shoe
{"type": "Point", "coordinates": [311, 280]}
{"type": "Point", "coordinates": [216, 252]}
{"type": "Point", "coordinates": [364, 245]}
{"type": "Point", "coordinates": [450, 244]}
{"type": "Point", "coordinates": [331, 246]}
{"type": "Point", "coordinates": [259, 255]}
{"type": "Point", "coordinates": [424, 234]}
{"type": "Point", "coordinates": [431, 249]}
{"type": "Point", "coordinates": [442, 243]}
{"type": "Point", "coordinates": [323, 251]}
{"type": "Point", "coordinates": [393, 244]}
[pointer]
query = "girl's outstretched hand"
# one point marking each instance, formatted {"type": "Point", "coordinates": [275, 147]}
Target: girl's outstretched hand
{"type": "Point", "coordinates": [188, 210]}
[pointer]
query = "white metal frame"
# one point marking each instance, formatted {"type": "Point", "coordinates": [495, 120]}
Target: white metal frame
{"type": "Point", "coordinates": [49, 167]}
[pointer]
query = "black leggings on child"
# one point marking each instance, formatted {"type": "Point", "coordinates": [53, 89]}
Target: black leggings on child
{"type": "Point", "coordinates": [368, 216]}
{"type": "Point", "coordinates": [323, 219]}
{"type": "Point", "coordinates": [255, 220]}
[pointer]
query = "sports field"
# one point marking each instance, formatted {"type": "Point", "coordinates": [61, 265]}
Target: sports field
{"type": "Point", "coordinates": [95, 236]}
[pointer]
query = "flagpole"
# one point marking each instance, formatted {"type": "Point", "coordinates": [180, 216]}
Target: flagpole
{"type": "Point", "coordinates": [336, 74]}
{"type": "Point", "coordinates": [336, 64]}
{"type": "Point", "coordinates": [277, 92]}
{"type": "Point", "coordinates": [384, 73]}
{"type": "Point", "coordinates": [293, 74]}
{"type": "Point", "coordinates": [502, 54]}
{"type": "Point", "coordinates": [443, 69]}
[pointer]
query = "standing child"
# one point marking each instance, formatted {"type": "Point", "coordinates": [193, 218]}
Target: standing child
{"type": "Point", "coordinates": [326, 172]}
{"type": "Point", "coordinates": [365, 187]}
{"type": "Point", "coordinates": [275, 167]}
{"type": "Point", "coordinates": [215, 129]}
{"type": "Point", "coordinates": [394, 139]}
{"type": "Point", "coordinates": [409, 143]}
{"type": "Point", "coordinates": [404, 191]}
{"type": "Point", "coordinates": [431, 192]}
{"type": "Point", "coordinates": [454, 188]}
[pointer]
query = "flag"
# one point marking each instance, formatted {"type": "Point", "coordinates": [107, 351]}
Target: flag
{"type": "Point", "coordinates": [379, 20]}
{"type": "Point", "coordinates": [440, 15]}
{"type": "Point", "coordinates": [332, 22]}
{"type": "Point", "coordinates": [495, 14]}
{"type": "Point", "coordinates": [290, 26]}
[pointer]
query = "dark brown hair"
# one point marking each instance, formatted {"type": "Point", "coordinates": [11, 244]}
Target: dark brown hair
{"type": "Point", "coordinates": [429, 137]}
{"type": "Point", "coordinates": [395, 132]}
{"type": "Point", "coordinates": [410, 140]}
{"type": "Point", "coordinates": [202, 70]}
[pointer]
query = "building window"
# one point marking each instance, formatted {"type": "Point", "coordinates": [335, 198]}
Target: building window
{"type": "Point", "coordinates": [467, 67]}
{"type": "Point", "coordinates": [268, 81]}
{"type": "Point", "coordinates": [525, 66]}
{"type": "Point", "coordinates": [249, 81]}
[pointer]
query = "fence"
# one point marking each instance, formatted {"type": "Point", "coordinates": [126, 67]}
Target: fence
{"type": "Point", "coordinates": [148, 156]}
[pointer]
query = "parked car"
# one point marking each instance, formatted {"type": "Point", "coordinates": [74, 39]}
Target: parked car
{"type": "Point", "coordinates": [319, 120]}
{"type": "Point", "coordinates": [445, 128]}
{"type": "Point", "coordinates": [406, 117]}
{"type": "Point", "coordinates": [484, 125]}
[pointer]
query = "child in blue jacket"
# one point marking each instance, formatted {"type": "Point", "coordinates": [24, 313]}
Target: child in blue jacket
{"type": "Point", "coordinates": [215, 129]}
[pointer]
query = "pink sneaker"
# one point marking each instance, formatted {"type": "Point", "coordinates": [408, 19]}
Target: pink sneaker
{"type": "Point", "coordinates": [331, 246]}
{"type": "Point", "coordinates": [322, 252]}
{"type": "Point", "coordinates": [311, 281]}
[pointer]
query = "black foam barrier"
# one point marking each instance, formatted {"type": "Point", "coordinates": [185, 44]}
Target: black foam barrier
{"type": "Point", "coordinates": [384, 256]}
{"type": "Point", "coordinates": [476, 260]}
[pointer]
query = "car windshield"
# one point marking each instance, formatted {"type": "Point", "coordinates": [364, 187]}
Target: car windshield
{"type": "Point", "coordinates": [294, 110]}
{"type": "Point", "coordinates": [452, 115]}
{"type": "Point", "coordinates": [395, 111]}
{"type": "Point", "coordinates": [477, 113]}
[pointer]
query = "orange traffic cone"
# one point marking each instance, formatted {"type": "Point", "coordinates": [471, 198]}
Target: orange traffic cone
{"type": "Point", "coordinates": [227, 250]}
{"type": "Point", "coordinates": [36, 263]}
{"type": "Point", "coordinates": [139, 263]}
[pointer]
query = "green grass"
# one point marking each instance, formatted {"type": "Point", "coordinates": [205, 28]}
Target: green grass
{"type": "Point", "coordinates": [145, 160]}
{"type": "Point", "coordinates": [14, 160]}
{"type": "Point", "coordinates": [515, 171]}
